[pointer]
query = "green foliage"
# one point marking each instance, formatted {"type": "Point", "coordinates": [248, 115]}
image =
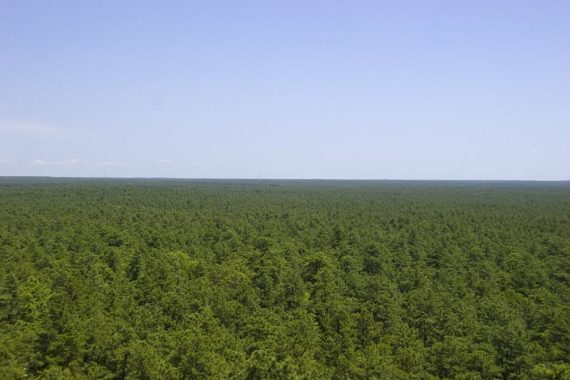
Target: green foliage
{"type": "Point", "coordinates": [149, 279]}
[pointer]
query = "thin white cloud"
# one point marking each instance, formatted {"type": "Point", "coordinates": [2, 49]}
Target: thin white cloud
{"type": "Point", "coordinates": [164, 162]}
{"type": "Point", "coordinates": [74, 161]}
{"type": "Point", "coordinates": [77, 162]}
{"type": "Point", "coordinates": [29, 127]}
{"type": "Point", "coordinates": [6, 161]}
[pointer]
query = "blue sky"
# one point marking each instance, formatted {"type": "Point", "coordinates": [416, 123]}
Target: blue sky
{"type": "Point", "coordinates": [286, 89]}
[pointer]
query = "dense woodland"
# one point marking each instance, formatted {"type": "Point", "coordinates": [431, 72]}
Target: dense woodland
{"type": "Point", "coordinates": [180, 279]}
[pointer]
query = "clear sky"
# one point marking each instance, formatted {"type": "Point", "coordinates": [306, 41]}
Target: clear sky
{"type": "Point", "coordinates": [286, 89]}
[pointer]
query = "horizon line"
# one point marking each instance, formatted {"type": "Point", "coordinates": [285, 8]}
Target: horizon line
{"type": "Point", "coordinates": [284, 179]}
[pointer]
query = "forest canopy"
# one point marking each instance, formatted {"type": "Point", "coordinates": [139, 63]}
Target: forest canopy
{"type": "Point", "coordinates": [180, 279]}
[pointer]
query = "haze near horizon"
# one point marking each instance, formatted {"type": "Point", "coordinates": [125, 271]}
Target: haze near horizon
{"type": "Point", "coordinates": [357, 90]}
